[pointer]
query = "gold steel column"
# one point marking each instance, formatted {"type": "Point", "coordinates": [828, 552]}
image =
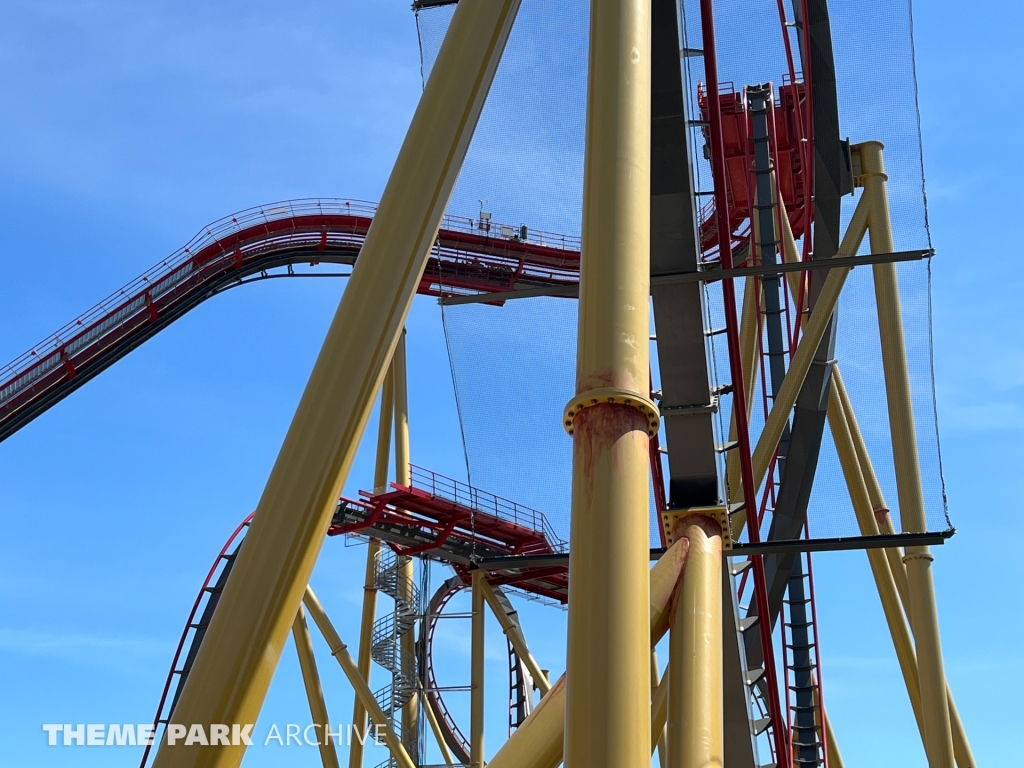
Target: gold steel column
{"type": "Point", "coordinates": [380, 480]}
{"type": "Point", "coordinates": [813, 330]}
{"type": "Point", "coordinates": [881, 510]}
{"type": "Point", "coordinates": [446, 754]}
{"type": "Point", "coordinates": [539, 741]}
{"type": "Point", "coordinates": [608, 676]}
{"type": "Point", "coordinates": [661, 732]}
{"type": "Point", "coordinates": [750, 329]}
{"type": "Point", "coordinates": [861, 501]}
{"type": "Point", "coordinates": [924, 616]}
{"type": "Point", "coordinates": [515, 637]}
{"type": "Point", "coordinates": [476, 703]}
{"type": "Point", "coordinates": [314, 692]}
{"type": "Point", "coordinates": [961, 746]}
{"type": "Point", "coordinates": [407, 573]}
{"type": "Point", "coordinates": [243, 644]}
{"type": "Point", "coordinates": [695, 698]}
{"type": "Point", "coordinates": [340, 651]}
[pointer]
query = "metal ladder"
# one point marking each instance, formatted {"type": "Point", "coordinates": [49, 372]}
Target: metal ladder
{"type": "Point", "coordinates": [386, 646]}
{"type": "Point", "coordinates": [799, 636]}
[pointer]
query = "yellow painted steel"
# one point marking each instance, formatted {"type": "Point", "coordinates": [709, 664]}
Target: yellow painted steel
{"type": "Point", "coordinates": [515, 636]}
{"type": "Point", "coordinates": [835, 760]}
{"type": "Point", "coordinates": [539, 741]}
{"type": "Point", "coordinates": [446, 754]}
{"type": "Point", "coordinates": [608, 695]}
{"type": "Point", "coordinates": [750, 329]}
{"type": "Point", "coordinates": [901, 639]}
{"type": "Point", "coordinates": [924, 615]}
{"type": "Point", "coordinates": [340, 651]}
{"type": "Point", "coordinates": [314, 691]}
{"type": "Point", "coordinates": [243, 644]}
{"type": "Point", "coordinates": [407, 575]}
{"type": "Point", "coordinates": [659, 734]}
{"type": "Point", "coordinates": [961, 747]}
{"type": "Point", "coordinates": [881, 510]}
{"type": "Point", "coordinates": [695, 697]}
{"type": "Point", "coordinates": [813, 330]}
{"type": "Point", "coordinates": [380, 480]}
{"type": "Point", "coordinates": [476, 696]}
{"type": "Point", "coordinates": [659, 718]}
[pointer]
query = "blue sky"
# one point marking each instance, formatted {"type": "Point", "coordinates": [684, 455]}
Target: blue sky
{"type": "Point", "coordinates": [126, 127]}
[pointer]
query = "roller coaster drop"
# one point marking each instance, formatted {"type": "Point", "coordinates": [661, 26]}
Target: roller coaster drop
{"type": "Point", "coordinates": [725, 697]}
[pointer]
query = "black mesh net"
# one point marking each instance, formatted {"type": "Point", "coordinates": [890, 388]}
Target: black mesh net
{"type": "Point", "coordinates": [514, 365]}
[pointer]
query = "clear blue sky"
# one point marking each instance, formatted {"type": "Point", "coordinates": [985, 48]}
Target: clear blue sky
{"type": "Point", "coordinates": [125, 127]}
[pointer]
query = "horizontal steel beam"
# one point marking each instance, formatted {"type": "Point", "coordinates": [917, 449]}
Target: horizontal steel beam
{"type": "Point", "coordinates": [839, 543]}
{"type": "Point", "coordinates": [710, 275]}
{"type": "Point", "coordinates": [705, 276]}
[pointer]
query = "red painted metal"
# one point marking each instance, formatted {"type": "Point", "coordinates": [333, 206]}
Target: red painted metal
{"type": "Point", "coordinates": [465, 260]}
{"type": "Point", "coordinates": [446, 509]}
{"type": "Point", "coordinates": [222, 555]}
{"type": "Point", "coordinates": [789, 155]}
{"type": "Point", "coordinates": [720, 172]}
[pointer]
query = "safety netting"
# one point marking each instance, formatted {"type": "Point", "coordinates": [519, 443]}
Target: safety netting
{"type": "Point", "coordinates": [513, 362]}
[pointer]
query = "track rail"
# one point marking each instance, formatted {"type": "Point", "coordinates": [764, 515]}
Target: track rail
{"type": "Point", "coordinates": [469, 257]}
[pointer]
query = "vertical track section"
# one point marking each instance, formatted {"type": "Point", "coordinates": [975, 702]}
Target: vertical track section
{"type": "Point", "coordinates": [721, 197]}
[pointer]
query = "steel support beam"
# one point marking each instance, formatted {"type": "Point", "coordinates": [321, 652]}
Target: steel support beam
{"type": "Point", "coordinates": [918, 560]}
{"type": "Point", "coordinates": [539, 741]}
{"type": "Point", "coordinates": [515, 636]}
{"type": "Point", "coordinates": [695, 697]}
{"type": "Point", "coordinates": [476, 704]}
{"type": "Point", "coordinates": [250, 627]}
{"type": "Point", "coordinates": [407, 576]}
{"type": "Point", "coordinates": [380, 479]}
{"type": "Point", "coordinates": [678, 306]}
{"type": "Point", "coordinates": [608, 689]}
{"type": "Point", "coordinates": [348, 665]}
{"type": "Point", "coordinates": [314, 691]}
{"type": "Point", "coordinates": [883, 522]}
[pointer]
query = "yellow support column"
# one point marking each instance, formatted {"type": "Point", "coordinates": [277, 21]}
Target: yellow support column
{"type": "Point", "coordinates": [340, 651]}
{"type": "Point", "coordinates": [250, 627]}
{"type": "Point", "coordinates": [515, 637]}
{"type": "Point", "coordinates": [380, 479]}
{"type": "Point", "coordinates": [813, 330]}
{"type": "Point", "coordinates": [314, 692]}
{"type": "Point", "coordinates": [407, 575]}
{"type": "Point", "coordinates": [476, 702]}
{"type": "Point", "coordinates": [695, 699]}
{"type": "Point", "coordinates": [438, 735]}
{"type": "Point", "coordinates": [879, 565]}
{"type": "Point", "coordinates": [750, 328]}
{"type": "Point", "coordinates": [539, 741]}
{"type": "Point", "coordinates": [881, 510]}
{"type": "Point", "coordinates": [659, 718]}
{"type": "Point", "coordinates": [608, 694]}
{"type": "Point", "coordinates": [961, 747]}
{"type": "Point", "coordinates": [659, 734]}
{"type": "Point", "coordinates": [924, 616]}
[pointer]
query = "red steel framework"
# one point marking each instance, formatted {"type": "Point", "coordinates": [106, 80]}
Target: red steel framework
{"type": "Point", "coordinates": [728, 132]}
{"type": "Point", "coordinates": [470, 256]}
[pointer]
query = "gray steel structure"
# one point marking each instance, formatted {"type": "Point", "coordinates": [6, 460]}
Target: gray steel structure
{"type": "Point", "coordinates": [682, 346]}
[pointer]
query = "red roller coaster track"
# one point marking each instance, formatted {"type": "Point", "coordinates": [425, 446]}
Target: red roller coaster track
{"type": "Point", "coordinates": [469, 257]}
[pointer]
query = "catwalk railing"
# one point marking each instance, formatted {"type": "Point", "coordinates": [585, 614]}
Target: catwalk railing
{"type": "Point", "coordinates": [469, 256]}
